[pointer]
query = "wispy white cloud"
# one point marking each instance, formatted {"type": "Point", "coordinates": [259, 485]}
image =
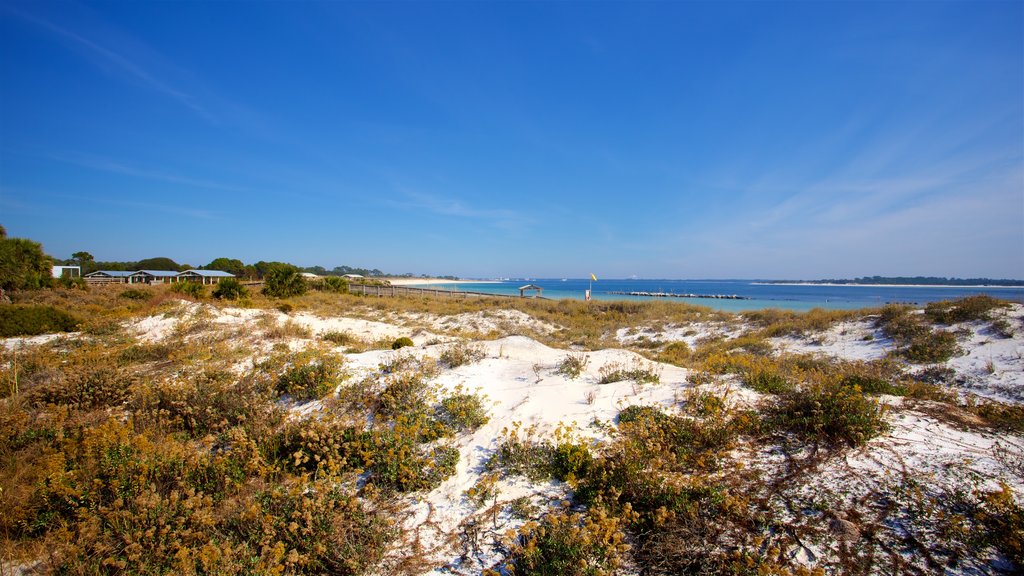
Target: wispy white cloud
{"type": "Point", "coordinates": [123, 63]}
{"type": "Point", "coordinates": [119, 167]}
{"type": "Point", "coordinates": [500, 217]}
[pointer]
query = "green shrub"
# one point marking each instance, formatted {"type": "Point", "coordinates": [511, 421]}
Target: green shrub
{"type": "Point", "coordinates": [338, 338]}
{"type": "Point", "coordinates": [1001, 415]}
{"type": "Point", "coordinates": [935, 346]}
{"type": "Point", "coordinates": [460, 354]}
{"type": "Point", "coordinates": [20, 320]}
{"type": "Point", "coordinates": [190, 289]}
{"type": "Point", "coordinates": [405, 393]}
{"type": "Point", "coordinates": [1002, 327]}
{"type": "Point", "coordinates": [573, 365]}
{"type": "Point", "coordinates": [569, 545]}
{"type": "Point", "coordinates": [963, 310]}
{"type": "Point", "coordinates": [209, 403]}
{"type": "Point", "coordinates": [462, 412]}
{"type": "Point", "coordinates": [316, 530]}
{"type": "Point", "coordinates": [638, 372]}
{"type": "Point", "coordinates": [333, 284]}
{"type": "Point", "coordinates": [230, 289]}
{"type": "Point", "coordinates": [310, 377]}
{"type": "Point", "coordinates": [86, 387]}
{"type": "Point", "coordinates": [830, 411]}
{"type": "Point", "coordinates": [76, 283]}
{"type": "Point", "coordinates": [915, 340]}
{"type": "Point", "coordinates": [675, 353]}
{"type": "Point", "coordinates": [402, 343]}
{"type": "Point", "coordinates": [284, 283]}
{"type": "Point", "coordinates": [523, 456]}
{"type": "Point", "coordinates": [571, 461]}
{"type": "Point", "coordinates": [401, 464]}
{"type": "Point", "coordinates": [136, 294]}
{"type": "Point", "coordinates": [767, 380]}
{"type": "Point", "coordinates": [23, 265]}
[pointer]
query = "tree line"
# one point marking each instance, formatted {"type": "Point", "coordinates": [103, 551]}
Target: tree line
{"type": "Point", "coordinates": [24, 265]}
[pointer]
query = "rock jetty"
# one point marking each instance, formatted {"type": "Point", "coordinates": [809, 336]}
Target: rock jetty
{"type": "Point", "coordinates": [674, 295]}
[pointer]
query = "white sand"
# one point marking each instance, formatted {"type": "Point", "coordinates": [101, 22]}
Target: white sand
{"type": "Point", "coordinates": [520, 384]}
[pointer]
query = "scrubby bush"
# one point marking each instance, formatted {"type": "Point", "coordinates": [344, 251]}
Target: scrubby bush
{"type": "Point", "coordinates": [767, 379]}
{"type": "Point", "coordinates": [310, 376]}
{"type": "Point", "coordinates": [462, 412]}
{"type": "Point", "coordinates": [915, 340]}
{"type": "Point", "coordinates": [638, 372]}
{"type": "Point", "coordinates": [963, 310]}
{"type": "Point", "coordinates": [88, 387]}
{"type": "Point", "coordinates": [569, 545]}
{"type": "Point", "coordinates": [20, 320]}
{"type": "Point", "coordinates": [677, 353]}
{"type": "Point", "coordinates": [333, 284]}
{"type": "Point", "coordinates": [402, 343]}
{"type": "Point", "coordinates": [1003, 327]}
{"type": "Point", "coordinates": [230, 289]}
{"type": "Point", "coordinates": [405, 393]}
{"type": "Point", "coordinates": [338, 338]}
{"type": "Point", "coordinates": [830, 411]}
{"type": "Point", "coordinates": [284, 283]}
{"type": "Point", "coordinates": [573, 365]}
{"type": "Point", "coordinates": [23, 265]}
{"type": "Point", "coordinates": [190, 289]}
{"type": "Point", "coordinates": [460, 354]}
{"type": "Point", "coordinates": [136, 294]}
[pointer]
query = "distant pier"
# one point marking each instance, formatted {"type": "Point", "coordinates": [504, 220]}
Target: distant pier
{"type": "Point", "coordinates": [674, 295]}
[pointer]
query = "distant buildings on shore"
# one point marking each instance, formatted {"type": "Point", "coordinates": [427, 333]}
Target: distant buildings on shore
{"type": "Point", "coordinates": [156, 276]}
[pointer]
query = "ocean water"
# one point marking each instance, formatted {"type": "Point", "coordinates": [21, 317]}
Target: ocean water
{"type": "Point", "coordinates": [758, 294]}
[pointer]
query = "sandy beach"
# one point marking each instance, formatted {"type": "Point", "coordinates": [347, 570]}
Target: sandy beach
{"type": "Point", "coordinates": [517, 370]}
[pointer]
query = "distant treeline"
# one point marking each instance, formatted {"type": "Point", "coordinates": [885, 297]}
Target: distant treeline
{"type": "Point", "coordinates": [920, 281]}
{"type": "Point", "coordinates": [232, 265]}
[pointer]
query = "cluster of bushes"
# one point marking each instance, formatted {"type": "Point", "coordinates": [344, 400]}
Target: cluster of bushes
{"type": "Point", "coordinates": [460, 354]}
{"type": "Point", "coordinates": [20, 320]}
{"type": "Point", "coordinates": [230, 289]}
{"type": "Point", "coordinates": [915, 339]}
{"type": "Point", "coordinates": [284, 283]}
{"type": "Point", "coordinates": [203, 472]}
{"type": "Point", "coordinates": [573, 365]}
{"type": "Point", "coordinates": [191, 289]}
{"type": "Point", "coordinates": [637, 371]}
{"type": "Point", "coordinates": [963, 310]}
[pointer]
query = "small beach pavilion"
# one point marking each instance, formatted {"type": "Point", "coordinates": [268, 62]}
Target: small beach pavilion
{"type": "Point", "coordinates": [108, 277]}
{"type": "Point", "coordinates": [538, 291]}
{"type": "Point", "coordinates": [204, 276]}
{"type": "Point", "coordinates": [152, 276]}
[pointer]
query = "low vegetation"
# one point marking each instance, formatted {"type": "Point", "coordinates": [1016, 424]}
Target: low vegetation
{"type": "Point", "coordinates": [34, 320]}
{"type": "Point", "coordinates": [261, 449]}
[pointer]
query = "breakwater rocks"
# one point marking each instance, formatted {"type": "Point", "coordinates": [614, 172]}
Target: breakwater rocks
{"type": "Point", "coordinates": [674, 295]}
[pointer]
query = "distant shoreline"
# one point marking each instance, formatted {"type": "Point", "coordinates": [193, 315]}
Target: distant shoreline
{"type": "Point", "coordinates": [433, 281]}
{"type": "Point", "coordinates": [835, 284]}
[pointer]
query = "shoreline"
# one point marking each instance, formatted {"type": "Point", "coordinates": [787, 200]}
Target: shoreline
{"type": "Point", "coordinates": [835, 285]}
{"type": "Point", "coordinates": [433, 281]}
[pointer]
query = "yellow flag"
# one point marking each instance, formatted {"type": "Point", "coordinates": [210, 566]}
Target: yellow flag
{"type": "Point", "coordinates": [592, 277]}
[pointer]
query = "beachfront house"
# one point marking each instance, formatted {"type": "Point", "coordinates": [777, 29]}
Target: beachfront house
{"type": "Point", "coordinates": [108, 277]}
{"type": "Point", "coordinates": [153, 276]}
{"type": "Point", "coordinates": [67, 272]}
{"type": "Point", "coordinates": [204, 276]}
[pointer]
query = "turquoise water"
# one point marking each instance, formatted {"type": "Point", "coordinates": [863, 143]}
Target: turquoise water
{"type": "Point", "coordinates": [757, 294]}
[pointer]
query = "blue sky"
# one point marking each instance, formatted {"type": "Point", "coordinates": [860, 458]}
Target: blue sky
{"type": "Point", "coordinates": [679, 140]}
